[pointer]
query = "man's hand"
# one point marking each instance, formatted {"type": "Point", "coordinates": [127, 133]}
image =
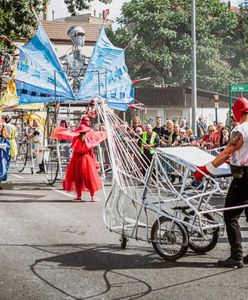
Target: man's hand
{"type": "Point", "coordinates": [206, 170]}
{"type": "Point", "coordinates": [198, 175]}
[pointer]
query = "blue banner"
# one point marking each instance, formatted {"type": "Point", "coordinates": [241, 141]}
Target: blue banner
{"type": "Point", "coordinates": [40, 76]}
{"type": "Point", "coordinates": [107, 75]}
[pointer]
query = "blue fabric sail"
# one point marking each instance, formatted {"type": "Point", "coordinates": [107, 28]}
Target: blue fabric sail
{"type": "Point", "coordinates": [39, 72]}
{"type": "Point", "coordinates": [107, 75]}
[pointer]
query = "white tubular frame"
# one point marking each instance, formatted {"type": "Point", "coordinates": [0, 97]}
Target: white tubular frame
{"type": "Point", "coordinates": [136, 199]}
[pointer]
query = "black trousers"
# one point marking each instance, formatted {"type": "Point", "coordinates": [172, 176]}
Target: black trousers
{"type": "Point", "coordinates": [237, 195]}
{"type": "Point", "coordinates": [41, 166]}
{"type": "Point", "coordinates": [147, 158]}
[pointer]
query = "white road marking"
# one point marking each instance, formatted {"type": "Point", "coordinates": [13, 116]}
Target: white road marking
{"type": "Point", "coordinates": [17, 176]}
{"type": "Point", "coordinates": [64, 193]}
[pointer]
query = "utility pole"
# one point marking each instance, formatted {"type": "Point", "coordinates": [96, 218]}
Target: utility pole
{"type": "Point", "coordinates": [194, 83]}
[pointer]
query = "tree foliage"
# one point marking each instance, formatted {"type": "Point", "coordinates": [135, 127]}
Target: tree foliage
{"type": "Point", "coordinates": [77, 5]}
{"type": "Point", "coordinates": [16, 17]}
{"type": "Point", "coordinates": [162, 46]}
{"type": "Point", "coordinates": [238, 49]}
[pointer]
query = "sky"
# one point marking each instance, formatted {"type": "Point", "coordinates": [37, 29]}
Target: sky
{"type": "Point", "coordinates": [60, 9]}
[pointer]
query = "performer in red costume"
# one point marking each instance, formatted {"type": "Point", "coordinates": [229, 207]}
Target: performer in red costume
{"type": "Point", "coordinates": [81, 173]}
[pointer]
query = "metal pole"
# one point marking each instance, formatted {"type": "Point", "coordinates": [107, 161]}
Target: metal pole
{"type": "Point", "coordinates": [194, 83]}
{"type": "Point", "coordinates": [99, 88]}
{"type": "Point", "coordinates": [106, 84]}
{"type": "Point", "coordinates": [55, 97]}
{"type": "Point", "coordinates": [216, 115]}
{"type": "Point", "coordinates": [230, 105]}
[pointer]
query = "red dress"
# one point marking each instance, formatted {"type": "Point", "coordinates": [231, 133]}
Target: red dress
{"type": "Point", "coordinates": [81, 173]}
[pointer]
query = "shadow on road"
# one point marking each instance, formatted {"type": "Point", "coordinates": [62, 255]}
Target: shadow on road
{"type": "Point", "coordinates": [28, 198]}
{"type": "Point", "coordinates": [115, 262]}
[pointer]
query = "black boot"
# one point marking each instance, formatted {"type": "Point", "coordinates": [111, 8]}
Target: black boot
{"type": "Point", "coordinates": [41, 169]}
{"type": "Point", "coordinates": [231, 263]}
{"type": "Point", "coordinates": [245, 259]}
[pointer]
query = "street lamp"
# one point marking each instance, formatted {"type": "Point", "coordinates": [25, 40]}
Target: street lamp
{"type": "Point", "coordinates": [216, 106]}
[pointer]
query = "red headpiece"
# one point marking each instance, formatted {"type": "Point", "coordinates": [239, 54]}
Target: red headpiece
{"type": "Point", "coordinates": [239, 107]}
{"type": "Point", "coordinates": [82, 128]}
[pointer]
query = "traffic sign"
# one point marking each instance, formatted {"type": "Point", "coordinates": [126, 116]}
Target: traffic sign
{"type": "Point", "coordinates": [239, 88]}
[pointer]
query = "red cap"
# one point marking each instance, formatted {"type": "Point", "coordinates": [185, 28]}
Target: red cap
{"type": "Point", "coordinates": [240, 107]}
{"type": "Point", "coordinates": [82, 128]}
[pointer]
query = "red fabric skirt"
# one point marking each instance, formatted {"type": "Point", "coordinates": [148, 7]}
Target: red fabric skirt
{"type": "Point", "coordinates": [81, 173]}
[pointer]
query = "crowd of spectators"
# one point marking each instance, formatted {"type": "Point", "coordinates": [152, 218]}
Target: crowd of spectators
{"type": "Point", "coordinates": [174, 133]}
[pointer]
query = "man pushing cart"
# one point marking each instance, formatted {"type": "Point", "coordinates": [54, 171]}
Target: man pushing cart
{"type": "Point", "coordinates": [237, 196]}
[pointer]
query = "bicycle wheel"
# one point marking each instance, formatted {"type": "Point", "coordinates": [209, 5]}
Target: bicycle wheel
{"type": "Point", "coordinates": [52, 166]}
{"type": "Point", "coordinates": [201, 245]}
{"type": "Point", "coordinates": [22, 157]}
{"type": "Point", "coordinates": [169, 238]}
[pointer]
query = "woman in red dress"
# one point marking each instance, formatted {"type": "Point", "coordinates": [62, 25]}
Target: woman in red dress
{"type": "Point", "coordinates": [82, 173]}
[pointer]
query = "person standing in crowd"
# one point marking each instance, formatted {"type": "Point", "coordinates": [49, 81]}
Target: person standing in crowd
{"type": "Point", "coordinates": [136, 122]}
{"type": "Point", "coordinates": [183, 137]}
{"type": "Point", "coordinates": [138, 132]}
{"type": "Point", "coordinates": [183, 123]}
{"type": "Point", "coordinates": [237, 152]}
{"type": "Point", "coordinates": [166, 140]}
{"type": "Point", "coordinates": [149, 141]}
{"type": "Point", "coordinates": [201, 127]}
{"type": "Point", "coordinates": [63, 124]}
{"type": "Point", "coordinates": [189, 133]}
{"type": "Point", "coordinates": [176, 138]}
{"type": "Point", "coordinates": [224, 137]}
{"type": "Point", "coordinates": [65, 145]}
{"type": "Point", "coordinates": [37, 136]}
{"type": "Point", "coordinates": [4, 153]}
{"type": "Point", "coordinates": [11, 134]}
{"type": "Point", "coordinates": [159, 129]}
{"type": "Point", "coordinates": [82, 173]}
{"type": "Point", "coordinates": [219, 128]}
{"type": "Point", "coordinates": [209, 140]}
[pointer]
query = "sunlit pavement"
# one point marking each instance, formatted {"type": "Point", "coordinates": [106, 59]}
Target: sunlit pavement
{"type": "Point", "coordinates": [53, 248]}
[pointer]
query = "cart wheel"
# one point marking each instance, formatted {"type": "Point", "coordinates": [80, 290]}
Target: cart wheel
{"type": "Point", "coordinates": [169, 238]}
{"type": "Point", "coordinates": [123, 241]}
{"type": "Point", "coordinates": [52, 166]}
{"type": "Point", "coordinates": [200, 245]}
{"type": "Point", "coordinates": [22, 157]}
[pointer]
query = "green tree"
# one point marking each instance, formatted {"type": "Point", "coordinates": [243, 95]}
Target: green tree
{"type": "Point", "coordinates": [77, 5]}
{"type": "Point", "coordinates": [162, 47]}
{"type": "Point", "coordinates": [17, 19]}
{"type": "Point", "coordinates": [238, 49]}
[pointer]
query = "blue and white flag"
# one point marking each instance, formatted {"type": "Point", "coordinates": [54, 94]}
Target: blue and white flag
{"type": "Point", "coordinates": [107, 75]}
{"type": "Point", "coordinates": [40, 76]}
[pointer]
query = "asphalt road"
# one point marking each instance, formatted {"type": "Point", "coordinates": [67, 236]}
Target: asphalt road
{"type": "Point", "coordinates": [53, 248]}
